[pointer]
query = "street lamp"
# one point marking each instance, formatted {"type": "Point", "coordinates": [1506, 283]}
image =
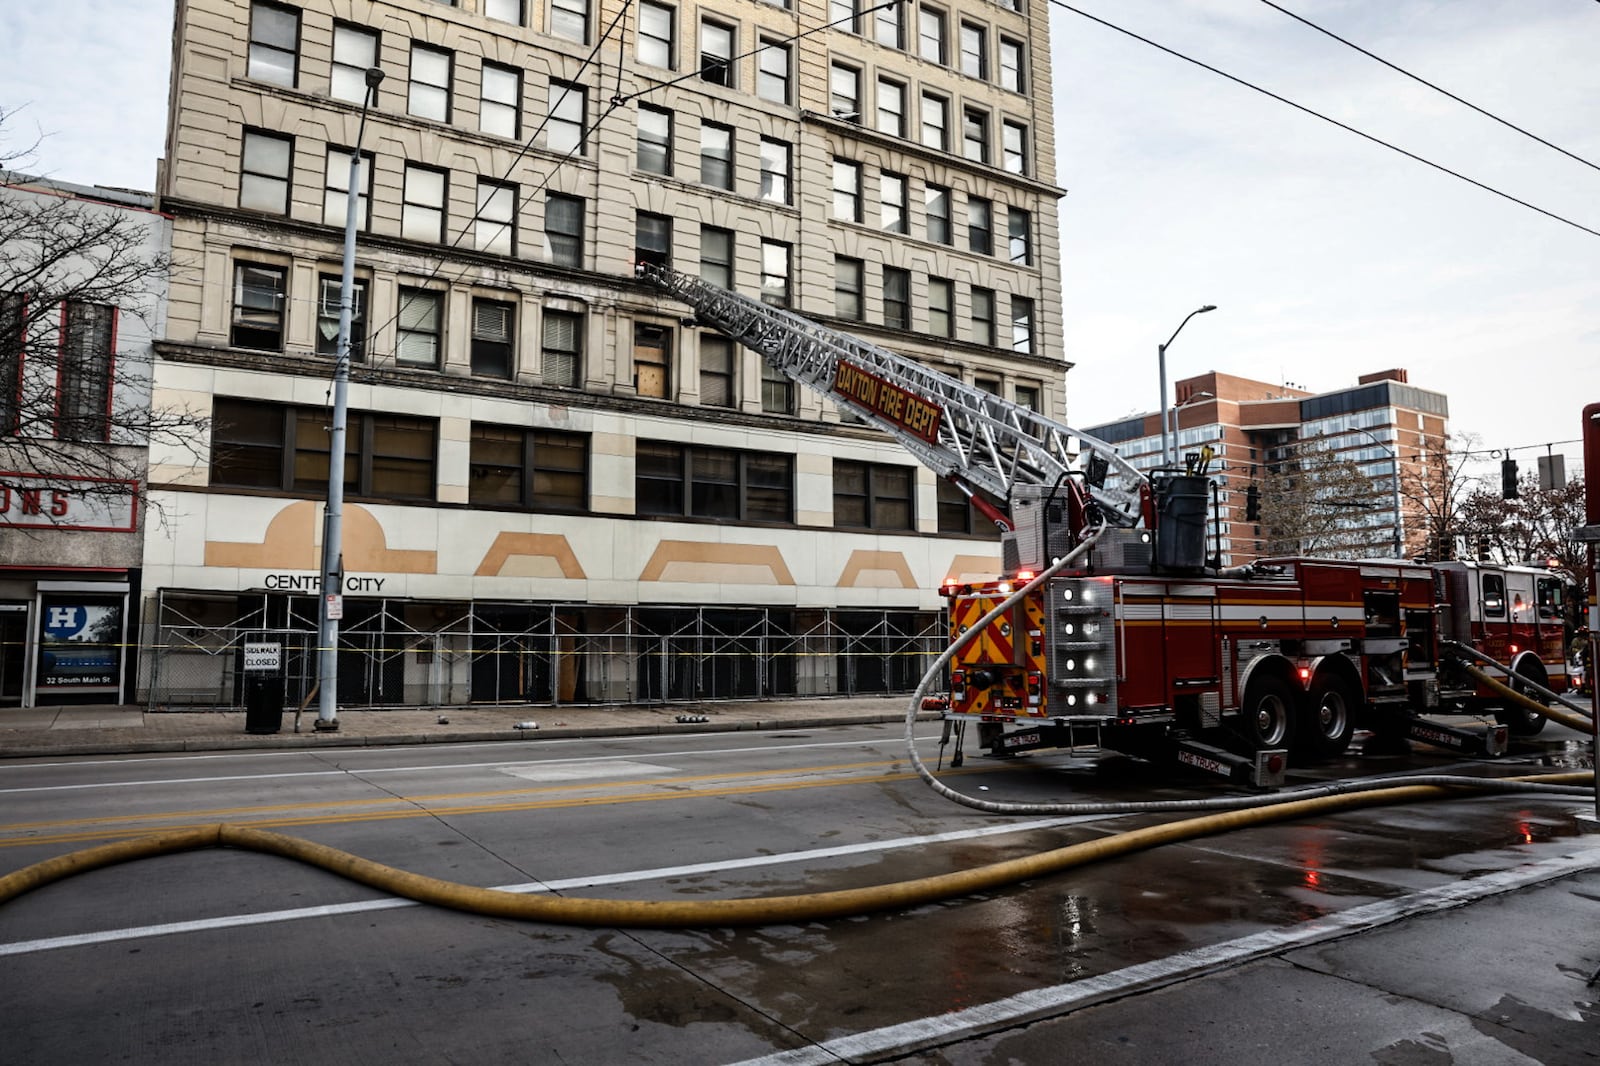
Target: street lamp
{"type": "Point", "coordinates": [1161, 359]}
{"type": "Point", "coordinates": [1394, 484]}
{"type": "Point", "coordinates": [333, 516]}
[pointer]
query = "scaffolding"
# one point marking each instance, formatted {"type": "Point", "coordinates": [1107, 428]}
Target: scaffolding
{"type": "Point", "coordinates": [422, 653]}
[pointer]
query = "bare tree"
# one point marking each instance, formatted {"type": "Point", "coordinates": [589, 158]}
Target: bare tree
{"type": "Point", "coordinates": [1537, 526]}
{"type": "Point", "coordinates": [83, 283]}
{"type": "Point", "coordinates": [1436, 492]}
{"type": "Point", "coordinates": [1313, 502]}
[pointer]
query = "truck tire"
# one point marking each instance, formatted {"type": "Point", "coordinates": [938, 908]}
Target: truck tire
{"type": "Point", "coordinates": [1519, 719]}
{"type": "Point", "coordinates": [1269, 713]}
{"type": "Point", "coordinates": [1329, 720]}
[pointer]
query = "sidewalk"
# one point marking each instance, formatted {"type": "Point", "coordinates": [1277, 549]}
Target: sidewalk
{"type": "Point", "coordinates": [129, 729]}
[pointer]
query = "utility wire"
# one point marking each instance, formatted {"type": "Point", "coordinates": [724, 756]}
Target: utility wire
{"type": "Point", "coordinates": [1423, 81]}
{"type": "Point", "coordinates": [1317, 114]}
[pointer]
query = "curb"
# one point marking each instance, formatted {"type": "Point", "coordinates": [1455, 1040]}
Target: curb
{"type": "Point", "coordinates": [311, 739]}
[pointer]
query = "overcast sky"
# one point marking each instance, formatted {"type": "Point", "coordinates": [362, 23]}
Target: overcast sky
{"type": "Point", "coordinates": [1328, 256]}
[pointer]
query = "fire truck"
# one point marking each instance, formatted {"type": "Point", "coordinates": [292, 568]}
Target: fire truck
{"type": "Point", "coordinates": [1137, 645]}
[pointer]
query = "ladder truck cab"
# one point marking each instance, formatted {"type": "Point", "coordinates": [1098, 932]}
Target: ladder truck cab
{"type": "Point", "coordinates": [1132, 643]}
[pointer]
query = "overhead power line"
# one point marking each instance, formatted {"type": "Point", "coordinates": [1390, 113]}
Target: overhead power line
{"type": "Point", "coordinates": [1326, 118]}
{"type": "Point", "coordinates": [1423, 81]}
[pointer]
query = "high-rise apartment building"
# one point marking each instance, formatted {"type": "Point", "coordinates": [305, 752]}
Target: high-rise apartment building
{"type": "Point", "coordinates": [1258, 431]}
{"type": "Point", "coordinates": [559, 485]}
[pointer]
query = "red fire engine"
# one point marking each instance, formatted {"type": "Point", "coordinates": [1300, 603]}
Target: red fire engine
{"type": "Point", "coordinates": [1137, 645]}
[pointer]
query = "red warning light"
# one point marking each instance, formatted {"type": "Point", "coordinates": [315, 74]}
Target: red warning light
{"type": "Point", "coordinates": [1515, 649]}
{"type": "Point", "coordinates": [1026, 575]}
{"type": "Point", "coordinates": [1275, 764]}
{"type": "Point", "coordinates": [1305, 673]}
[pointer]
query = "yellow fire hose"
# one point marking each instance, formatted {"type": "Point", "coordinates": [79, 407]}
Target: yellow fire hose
{"type": "Point", "coordinates": [662, 914]}
{"type": "Point", "coordinates": [1554, 712]}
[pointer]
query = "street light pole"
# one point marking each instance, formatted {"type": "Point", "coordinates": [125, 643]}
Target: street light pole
{"type": "Point", "coordinates": [1394, 485]}
{"type": "Point", "coordinates": [332, 599]}
{"type": "Point", "coordinates": [1161, 360]}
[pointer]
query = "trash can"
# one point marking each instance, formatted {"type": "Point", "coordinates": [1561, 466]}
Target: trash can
{"type": "Point", "coordinates": [263, 703]}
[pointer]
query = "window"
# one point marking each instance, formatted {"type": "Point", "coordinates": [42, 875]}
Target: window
{"type": "Point", "coordinates": [355, 51]}
{"type": "Point", "coordinates": [504, 10]}
{"type": "Point", "coordinates": [264, 172]}
{"type": "Point", "coordinates": [1021, 324]}
{"type": "Point", "coordinates": [421, 334]}
{"type": "Point", "coordinates": [83, 397]}
{"type": "Point", "coordinates": [975, 135]}
{"type": "Point", "coordinates": [562, 348]}
{"type": "Point", "coordinates": [674, 480]}
{"type": "Point", "coordinates": [1494, 596]}
{"type": "Point", "coordinates": [500, 105]}
{"type": "Point", "coordinates": [775, 273]}
{"type": "Point", "coordinates": [563, 229]}
{"type": "Point", "coordinates": [653, 240]}
{"type": "Point", "coordinates": [568, 108]}
{"type": "Point", "coordinates": [935, 122]}
{"type": "Point", "coordinates": [655, 140]}
{"type": "Point", "coordinates": [956, 513]}
{"type": "Point", "coordinates": [1028, 396]}
{"type": "Point", "coordinates": [846, 190]}
{"type": "Point", "coordinates": [844, 15]}
{"type": "Point", "coordinates": [1019, 225]}
{"type": "Point", "coordinates": [259, 298]}
{"type": "Point", "coordinates": [777, 391]}
{"type": "Point", "coordinates": [887, 29]}
{"type": "Point", "coordinates": [274, 44]}
{"type": "Point", "coordinates": [896, 298]}
{"type": "Point", "coordinates": [430, 83]}
{"type": "Point", "coordinates": [1014, 147]}
{"type": "Point", "coordinates": [989, 385]}
{"type": "Point", "coordinates": [496, 223]}
{"type": "Point", "coordinates": [657, 29]}
{"type": "Point", "coordinates": [941, 304]}
{"type": "Point", "coordinates": [716, 155]}
{"type": "Point", "coordinates": [716, 53]}
{"type": "Point", "coordinates": [716, 256]}
{"type": "Point", "coordinates": [13, 327]}
{"type": "Point", "coordinates": [336, 189]}
{"type": "Point", "coordinates": [422, 205]}
{"type": "Point", "coordinates": [891, 107]}
{"type": "Point", "coordinates": [570, 19]}
{"type": "Point", "coordinates": [847, 284]}
{"type": "Point", "coordinates": [983, 316]}
{"type": "Point", "coordinates": [772, 72]}
{"type": "Point", "coordinates": [528, 469]}
{"type": "Point", "coordinates": [328, 292]}
{"type": "Point", "coordinates": [491, 337]}
{"type": "Point", "coordinates": [892, 198]}
{"type": "Point", "coordinates": [774, 171]}
{"type": "Point", "coordinates": [936, 200]}
{"type": "Point", "coordinates": [980, 225]}
{"type": "Point", "coordinates": [930, 34]}
{"type": "Point", "coordinates": [1010, 64]}
{"type": "Point", "coordinates": [716, 371]}
{"type": "Point", "coordinates": [872, 496]}
{"type": "Point", "coordinates": [974, 51]}
{"type": "Point", "coordinates": [275, 446]}
{"type": "Point", "coordinates": [844, 92]}
{"type": "Point", "coordinates": [652, 359]}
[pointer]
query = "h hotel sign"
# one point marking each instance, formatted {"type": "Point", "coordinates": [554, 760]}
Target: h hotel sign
{"type": "Point", "coordinates": [84, 504]}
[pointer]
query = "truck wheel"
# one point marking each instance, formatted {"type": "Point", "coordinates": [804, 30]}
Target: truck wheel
{"type": "Point", "coordinates": [1330, 716]}
{"type": "Point", "coordinates": [1269, 714]}
{"type": "Point", "coordinates": [1523, 721]}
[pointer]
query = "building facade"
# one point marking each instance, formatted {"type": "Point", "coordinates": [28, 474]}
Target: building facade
{"type": "Point", "coordinates": [1257, 430]}
{"type": "Point", "coordinates": [560, 487]}
{"type": "Point", "coordinates": [82, 292]}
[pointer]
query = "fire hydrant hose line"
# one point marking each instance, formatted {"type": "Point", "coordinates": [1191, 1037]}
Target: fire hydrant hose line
{"type": "Point", "coordinates": [1549, 694]}
{"type": "Point", "coordinates": [773, 910]}
{"type": "Point", "coordinates": [1555, 713]}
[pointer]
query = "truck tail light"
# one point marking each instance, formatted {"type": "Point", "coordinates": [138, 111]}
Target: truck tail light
{"type": "Point", "coordinates": [1035, 687]}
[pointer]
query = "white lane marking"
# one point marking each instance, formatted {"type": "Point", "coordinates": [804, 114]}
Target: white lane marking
{"type": "Point", "coordinates": [1056, 1000]}
{"type": "Point", "coordinates": [581, 771]}
{"type": "Point", "coordinates": [496, 765]}
{"type": "Point", "coordinates": [26, 947]}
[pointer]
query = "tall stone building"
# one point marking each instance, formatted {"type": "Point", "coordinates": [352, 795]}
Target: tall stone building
{"type": "Point", "coordinates": [560, 486]}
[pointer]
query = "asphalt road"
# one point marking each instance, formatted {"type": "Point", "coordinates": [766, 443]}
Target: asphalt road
{"type": "Point", "coordinates": [1460, 932]}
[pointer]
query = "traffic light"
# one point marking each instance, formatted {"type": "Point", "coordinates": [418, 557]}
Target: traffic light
{"type": "Point", "coordinates": [1508, 479]}
{"type": "Point", "coordinates": [1252, 504]}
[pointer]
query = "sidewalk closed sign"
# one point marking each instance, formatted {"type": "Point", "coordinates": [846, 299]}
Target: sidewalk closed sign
{"type": "Point", "coordinates": [261, 658]}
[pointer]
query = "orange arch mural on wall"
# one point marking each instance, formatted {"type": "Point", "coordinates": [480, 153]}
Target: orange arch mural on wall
{"type": "Point", "coordinates": [530, 555]}
{"type": "Point", "coordinates": [965, 568]}
{"type": "Point", "coordinates": [876, 570]}
{"type": "Point", "coordinates": [710, 562]}
{"type": "Point", "coordinates": [294, 537]}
